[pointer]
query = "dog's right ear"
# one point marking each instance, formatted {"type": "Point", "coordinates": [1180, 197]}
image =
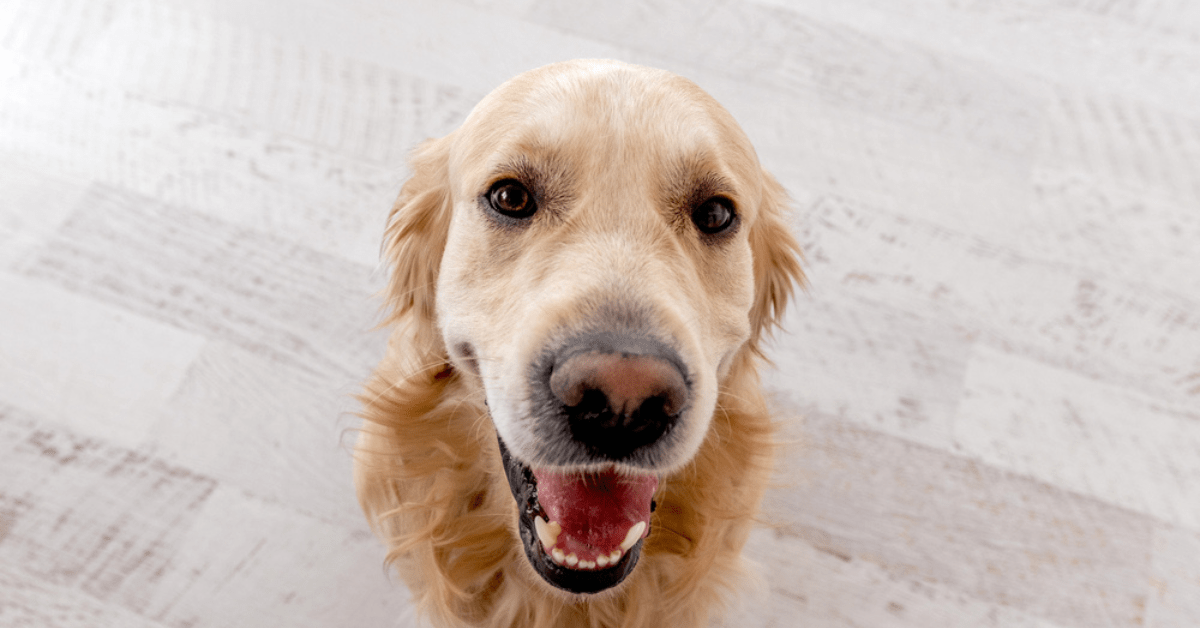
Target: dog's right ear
{"type": "Point", "coordinates": [777, 259]}
{"type": "Point", "coordinates": [415, 238]}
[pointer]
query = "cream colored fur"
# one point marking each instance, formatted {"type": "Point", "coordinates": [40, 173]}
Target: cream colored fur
{"type": "Point", "coordinates": [615, 138]}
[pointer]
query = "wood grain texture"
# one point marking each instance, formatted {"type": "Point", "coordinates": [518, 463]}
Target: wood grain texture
{"type": "Point", "coordinates": [1128, 448]}
{"type": "Point", "coordinates": [1175, 602]}
{"type": "Point", "coordinates": [30, 603]}
{"type": "Point", "coordinates": [255, 290]}
{"type": "Point", "coordinates": [32, 205]}
{"type": "Point", "coordinates": [194, 158]}
{"type": "Point", "coordinates": [1098, 45]}
{"type": "Point", "coordinates": [99, 370]}
{"type": "Point", "coordinates": [111, 535]}
{"type": "Point", "coordinates": [249, 562]}
{"type": "Point", "coordinates": [1120, 139]}
{"type": "Point", "coordinates": [897, 372]}
{"type": "Point", "coordinates": [925, 515]}
{"type": "Point", "coordinates": [847, 68]}
{"type": "Point", "coordinates": [441, 42]}
{"type": "Point", "coordinates": [353, 107]}
{"type": "Point", "coordinates": [274, 430]}
{"type": "Point", "coordinates": [829, 590]}
{"type": "Point", "coordinates": [1134, 234]}
{"type": "Point", "coordinates": [1127, 333]}
{"type": "Point", "coordinates": [101, 519]}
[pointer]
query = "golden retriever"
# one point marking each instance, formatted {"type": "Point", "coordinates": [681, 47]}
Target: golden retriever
{"type": "Point", "coordinates": [567, 428]}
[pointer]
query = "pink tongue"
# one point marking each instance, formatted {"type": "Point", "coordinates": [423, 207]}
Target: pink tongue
{"type": "Point", "coordinates": [595, 510]}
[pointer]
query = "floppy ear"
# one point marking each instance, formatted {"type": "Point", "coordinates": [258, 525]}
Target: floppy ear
{"type": "Point", "coordinates": [416, 234]}
{"type": "Point", "coordinates": [776, 261]}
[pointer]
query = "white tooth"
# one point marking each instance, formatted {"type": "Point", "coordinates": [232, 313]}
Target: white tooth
{"type": "Point", "coordinates": [614, 556]}
{"type": "Point", "coordinates": [602, 560]}
{"type": "Point", "coordinates": [572, 559]}
{"type": "Point", "coordinates": [558, 556]}
{"type": "Point", "coordinates": [631, 537]}
{"type": "Point", "coordinates": [547, 532]}
{"type": "Point", "coordinates": [588, 564]}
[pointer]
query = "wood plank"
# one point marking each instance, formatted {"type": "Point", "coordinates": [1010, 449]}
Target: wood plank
{"type": "Point", "coordinates": [280, 84]}
{"type": "Point", "coordinates": [95, 368]}
{"type": "Point", "coordinates": [1096, 439]}
{"type": "Point", "coordinates": [259, 291]}
{"type": "Point", "coordinates": [249, 562]}
{"type": "Point", "coordinates": [1176, 581]}
{"type": "Point", "coordinates": [32, 205]}
{"type": "Point", "coordinates": [1116, 138]}
{"type": "Point", "coordinates": [897, 372]}
{"type": "Point", "coordinates": [818, 150]}
{"type": "Point", "coordinates": [109, 531]}
{"type": "Point", "coordinates": [422, 38]}
{"type": "Point", "coordinates": [926, 515]}
{"type": "Point", "coordinates": [1130, 334]}
{"type": "Point", "coordinates": [815, 589]}
{"type": "Point", "coordinates": [98, 518]}
{"type": "Point", "coordinates": [1133, 234]}
{"type": "Point", "coordinates": [59, 121]}
{"type": "Point", "coordinates": [27, 602]}
{"type": "Point", "coordinates": [269, 428]}
{"type": "Point", "coordinates": [879, 77]}
{"type": "Point", "coordinates": [1106, 47]}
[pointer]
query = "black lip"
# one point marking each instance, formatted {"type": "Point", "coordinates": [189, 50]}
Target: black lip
{"type": "Point", "coordinates": [524, 489]}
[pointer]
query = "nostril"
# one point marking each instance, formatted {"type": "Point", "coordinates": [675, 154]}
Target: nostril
{"type": "Point", "coordinates": [617, 402]}
{"type": "Point", "coordinates": [592, 404]}
{"type": "Point", "coordinates": [567, 383]}
{"type": "Point", "coordinates": [627, 382]}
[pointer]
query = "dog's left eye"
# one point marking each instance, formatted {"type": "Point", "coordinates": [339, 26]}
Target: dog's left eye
{"type": "Point", "coordinates": [510, 198]}
{"type": "Point", "coordinates": [714, 215]}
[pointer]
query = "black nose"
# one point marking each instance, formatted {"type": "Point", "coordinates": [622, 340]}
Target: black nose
{"type": "Point", "coordinates": [618, 395]}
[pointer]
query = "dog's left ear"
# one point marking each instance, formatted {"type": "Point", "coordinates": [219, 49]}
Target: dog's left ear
{"type": "Point", "coordinates": [776, 261]}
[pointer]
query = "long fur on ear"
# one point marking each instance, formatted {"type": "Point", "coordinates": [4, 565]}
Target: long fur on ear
{"type": "Point", "coordinates": [427, 472]}
{"type": "Point", "coordinates": [776, 262]}
{"type": "Point", "coordinates": [416, 233]}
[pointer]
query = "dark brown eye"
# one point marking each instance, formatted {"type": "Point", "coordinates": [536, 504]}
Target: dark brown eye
{"type": "Point", "coordinates": [510, 198]}
{"type": "Point", "coordinates": [714, 215]}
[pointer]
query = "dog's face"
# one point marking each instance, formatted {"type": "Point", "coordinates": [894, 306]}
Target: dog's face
{"type": "Point", "coordinates": [599, 278]}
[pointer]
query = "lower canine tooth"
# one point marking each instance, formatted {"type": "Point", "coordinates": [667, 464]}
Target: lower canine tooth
{"type": "Point", "coordinates": [631, 537]}
{"type": "Point", "coordinates": [547, 531]}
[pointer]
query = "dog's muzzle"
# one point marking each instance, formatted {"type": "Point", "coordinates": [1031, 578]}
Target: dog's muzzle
{"type": "Point", "coordinates": [605, 406]}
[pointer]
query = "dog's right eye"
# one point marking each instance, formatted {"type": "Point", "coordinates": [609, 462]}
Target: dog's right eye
{"type": "Point", "coordinates": [509, 198]}
{"type": "Point", "coordinates": [714, 215]}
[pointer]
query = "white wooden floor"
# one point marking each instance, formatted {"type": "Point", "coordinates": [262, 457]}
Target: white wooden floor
{"type": "Point", "coordinates": [995, 373]}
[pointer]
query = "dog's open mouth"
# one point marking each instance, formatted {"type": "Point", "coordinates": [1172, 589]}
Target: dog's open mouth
{"type": "Point", "coordinates": [582, 532]}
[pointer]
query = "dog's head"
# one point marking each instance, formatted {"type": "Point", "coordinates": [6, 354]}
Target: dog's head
{"type": "Point", "coordinates": [597, 246]}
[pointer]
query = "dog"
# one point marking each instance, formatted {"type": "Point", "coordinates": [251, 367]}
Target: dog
{"type": "Point", "coordinates": [567, 428]}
